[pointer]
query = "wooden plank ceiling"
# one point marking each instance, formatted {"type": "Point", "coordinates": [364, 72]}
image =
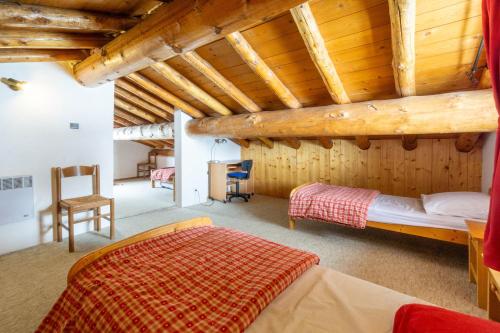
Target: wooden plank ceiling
{"type": "Point", "coordinates": [219, 79]}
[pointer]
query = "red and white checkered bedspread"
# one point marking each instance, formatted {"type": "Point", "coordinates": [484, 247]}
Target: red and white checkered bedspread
{"type": "Point", "coordinates": [162, 174]}
{"type": "Point", "coordinates": [204, 279]}
{"type": "Point", "coordinates": [332, 204]}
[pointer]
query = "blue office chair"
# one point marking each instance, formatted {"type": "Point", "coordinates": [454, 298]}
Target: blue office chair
{"type": "Point", "coordinates": [244, 174]}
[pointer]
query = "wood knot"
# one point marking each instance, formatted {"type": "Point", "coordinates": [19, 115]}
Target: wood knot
{"type": "Point", "coordinates": [217, 30]}
{"type": "Point", "coordinates": [372, 107]}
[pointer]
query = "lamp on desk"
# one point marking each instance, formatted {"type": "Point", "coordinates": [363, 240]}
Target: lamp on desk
{"type": "Point", "coordinates": [217, 141]}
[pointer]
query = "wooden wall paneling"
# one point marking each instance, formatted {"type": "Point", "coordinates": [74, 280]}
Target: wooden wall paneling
{"type": "Point", "coordinates": [374, 170]}
{"type": "Point", "coordinates": [386, 165]}
{"type": "Point", "coordinates": [398, 177]}
{"type": "Point", "coordinates": [474, 168]}
{"type": "Point", "coordinates": [424, 166]}
{"type": "Point", "coordinates": [410, 173]}
{"type": "Point", "coordinates": [324, 165]}
{"type": "Point", "coordinates": [458, 170]}
{"type": "Point", "coordinates": [362, 168]}
{"type": "Point", "coordinates": [302, 163]}
{"type": "Point", "coordinates": [256, 151]}
{"type": "Point", "coordinates": [335, 162]}
{"type": "Point", "coordinates": [440, 165]}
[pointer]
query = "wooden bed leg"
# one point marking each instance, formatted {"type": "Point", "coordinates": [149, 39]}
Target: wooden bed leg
{"type": "Point", "coordinates": [291, 223]}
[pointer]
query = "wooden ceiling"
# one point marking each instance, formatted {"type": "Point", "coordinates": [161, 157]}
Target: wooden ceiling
{"type": "Point", "coordinates": [356, 33]}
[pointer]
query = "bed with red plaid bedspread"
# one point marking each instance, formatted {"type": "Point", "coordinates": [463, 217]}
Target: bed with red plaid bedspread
{"type": "Point", "coordinates": [163, 174]}
{"type": "Point", "coordinates": [332, 204]}
{"type": "Point", "coordinates": [205, 279]}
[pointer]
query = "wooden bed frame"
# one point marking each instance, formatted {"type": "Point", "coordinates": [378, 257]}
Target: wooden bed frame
{"type": "Point", "coordinates": [93, 256]}
{"type": "Point", "coordinates": [447, 235]}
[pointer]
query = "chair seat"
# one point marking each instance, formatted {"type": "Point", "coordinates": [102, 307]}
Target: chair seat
{"type": "Point", "coordinates": [238, 175]}
{"type": "Point", "coordinates": [85, 203]}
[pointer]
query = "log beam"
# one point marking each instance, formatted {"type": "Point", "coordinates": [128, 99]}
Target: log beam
{"type": "Point", "coordinates": [466, 141]}
{"type": "Point", "coordinates": [458, 112]}
{"type": "Point", "coordinates": [293, 143]}
{"type": "Point", "coordinates": [242, 142]}
{"type": "Point", "coordinates": [136, 111]}
{"type": "Point", "coordinates": [409, 142]}
{"type": "Point", "coordinates": [255, 62]}
{"type": "Point", "coordinates": [175, 27]}
{"type": "Point", "coordinates": [23, 16]}
{"type": "Point", "coordinates": [130, 118]}
{"type": "Point", "coordinates": [267, 142]}
{"type": "Point", "coordinates": [189, 87]}
{"type": "Point", "coordinates": [326, 142]}
{"type": "Point", "coordinates": [363, 142]}
{"type": "Point", "coordinates": [126, 96]}
{"type": "Point", "coordinates": [37, 55]}
{"type": "Point", "coordinates": [161, 131]}
{"type": "Point", "coordinates": [168, 97]}
{"type": "Point", "coordinates": [21, 39]}
{"type": "Point", "coordinates": [315, 44]}
{"type": "Point", "coordinates": [403, 16]}
{"type": "Point", "coordinates": [142, 94]}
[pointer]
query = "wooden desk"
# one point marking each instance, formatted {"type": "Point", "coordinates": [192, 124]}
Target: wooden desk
{"type": "Point", "coordinates": [493, 295]}
{"type": "Point", "coordinates": [477, 271]}
{"type": "Point", "coordinates": [218, 182]}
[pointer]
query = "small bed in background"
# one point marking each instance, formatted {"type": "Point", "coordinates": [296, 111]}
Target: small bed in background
{"type": "Point", "coordinates": [362, 208]}
{"type": "Point", "coordinates": [163, 176]}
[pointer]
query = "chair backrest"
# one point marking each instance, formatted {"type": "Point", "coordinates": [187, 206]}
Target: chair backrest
{"type": "Point", "coordinates": [246, 165]}
{"type": "Point", "coordinates": [76, 171]}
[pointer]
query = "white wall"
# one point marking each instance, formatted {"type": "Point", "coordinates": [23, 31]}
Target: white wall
{"type": "Point", "coordinates": [192, 154]}
{"type": "Point", "coordinates": [35, 136]}
{"type": "Point", "coordinates": [488, 151]}
{"type": "Point", "coordinates": [126, 156]}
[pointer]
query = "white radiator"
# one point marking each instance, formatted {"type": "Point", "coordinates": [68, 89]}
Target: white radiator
{"type": "Point", "coordinates": [16, 199]}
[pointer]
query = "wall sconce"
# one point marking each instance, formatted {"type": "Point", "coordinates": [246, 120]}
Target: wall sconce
{"type": "Point", "coordinates": [13, 84]}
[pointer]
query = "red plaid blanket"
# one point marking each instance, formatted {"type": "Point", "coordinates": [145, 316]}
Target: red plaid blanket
{"type": "Point", "coordinates": [204, 279]}
{"type": "Point", "coordinates": [332, 204]}
{"type": "Point", "coordinates": [162, 174]}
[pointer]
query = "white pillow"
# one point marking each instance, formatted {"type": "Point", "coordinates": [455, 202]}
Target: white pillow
{"type": "Point", "coordinates": [464, 204]}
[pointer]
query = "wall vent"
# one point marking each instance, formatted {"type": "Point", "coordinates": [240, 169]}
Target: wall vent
{"type": "Point", "coordinates": [16, 199]}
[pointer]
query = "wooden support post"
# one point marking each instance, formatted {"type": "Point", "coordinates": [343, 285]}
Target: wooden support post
{"type": "Point", "coordinates": [457, 112]}
{"type": "Point", "coordinates": [326, 142]}
{"type": "Point", "coordinates": [409, 142]}
{"type": "Point", "coordinates": [175, 27]}
{"type": "Point", "coordinates": [363, 142]}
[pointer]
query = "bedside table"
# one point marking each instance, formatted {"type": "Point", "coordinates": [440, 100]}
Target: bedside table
{"type": "Point", "coordinates": [493, 295]}
{"type": "Point", "coordinates": [478, 273]}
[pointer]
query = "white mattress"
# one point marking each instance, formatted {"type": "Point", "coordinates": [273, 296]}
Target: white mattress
{"type": "Point", "coordinates": [409, 211]}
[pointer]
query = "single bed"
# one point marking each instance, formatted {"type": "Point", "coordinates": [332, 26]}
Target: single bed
{"type": "Point", "coordinates": [317, 299]}
{"type": "Point", "coordinates": [163, 176]}
{"type": "Point", "coordinates": [407, 215]}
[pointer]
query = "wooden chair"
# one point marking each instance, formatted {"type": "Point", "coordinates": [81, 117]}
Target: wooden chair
{"type": "Point", "coordinates": [144, 168]}
{"type": "Point", "coordinates": [88, 203]}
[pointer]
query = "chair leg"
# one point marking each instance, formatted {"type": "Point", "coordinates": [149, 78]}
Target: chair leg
{"type": "Point", "coordinates": [59, 225]}
{"type": "Point", "coordinates": [98, 221]}
{"type": "Point", "coordinates": [112, 219]}
{"type": "Point", "coordinates": [71, 230]}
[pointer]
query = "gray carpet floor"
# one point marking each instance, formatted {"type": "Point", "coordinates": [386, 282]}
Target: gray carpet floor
{"type": "Point", "coordinates": [32, 279]}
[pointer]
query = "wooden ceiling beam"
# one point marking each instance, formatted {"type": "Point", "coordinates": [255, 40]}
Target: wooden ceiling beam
{"type": "Point", "coordinates": [466, 141]}
{"type": "Point", "coordinates": [409, 142]}
{"type": "Point", "coordinates": [121, 122]}
{"type": "Point", "coordinates": [38, 55]}
{"type": "Point", "coordinates": [168, 97]}
{"type": "Point", "coordinates": [457, 112]}
{"type": "Point", "coordinates": [403, 16]}
{"type": "Point", "coordinates": [175, 27]}
{"type": "Point", "coordinates": [129, 117]}
{"type": "Point", "coordinates": [136, 111]}
{"type": "Point", "coordinates": [363, 142]}
{"type": "Point", "coordinates": [255, 62]}
{"type": "Point", "coordinates": [241, 142]}
{"type": "Point", "coordinates": [293, 143]}
{"type": "Point", "coordinates": [126, 96]}
{"type": "Point", "coordinates": [146, 143]}
{"type": "Point", "coordinates": [22, 39]}
{"type": "Point", "coordinates": [142, 94]}
{"type": "Point", "coordinates": [205, 68]}
{"type": "Point", "coordinates": [189, 87]}
{"type": "Point", "coordinates": [267, 142]}
{"type": "Point", "coordinates": [308, 28]}
{"type": "Point", "coordinates": [326, 142]}
{"type": "Point", "coordinates": [16, 15]}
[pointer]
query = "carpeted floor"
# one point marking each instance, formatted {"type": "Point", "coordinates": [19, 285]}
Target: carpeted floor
{"type": "Point", "coordinates": [32, 279]}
